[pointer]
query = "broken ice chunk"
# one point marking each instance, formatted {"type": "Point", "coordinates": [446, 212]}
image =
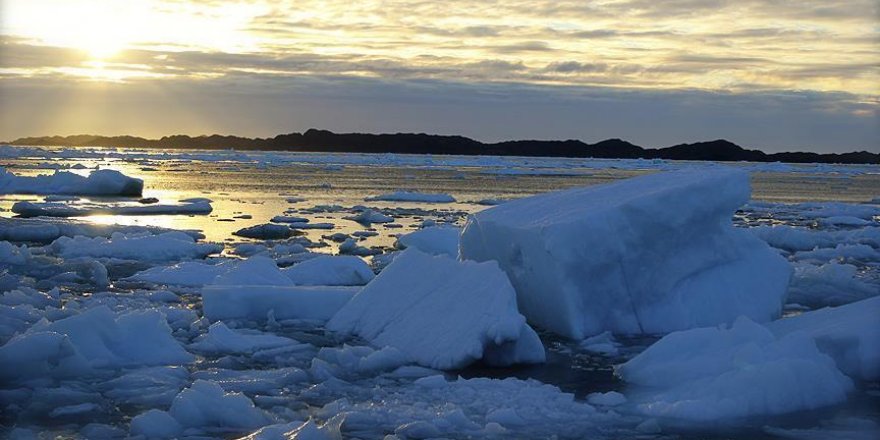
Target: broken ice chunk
{"type": "Point", "coordinates": [442, 313]}
{"type": "Point", "coordinates": [651, 254]}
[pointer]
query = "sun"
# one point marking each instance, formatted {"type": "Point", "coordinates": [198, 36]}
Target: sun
{"type": "Point", "coordinates": [100, 28]}
{"type": "Point", "coordinates": [100, 45]}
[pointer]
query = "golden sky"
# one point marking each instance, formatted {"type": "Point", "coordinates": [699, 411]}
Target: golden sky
{"type": "Point", "coordinates": [823, 54]}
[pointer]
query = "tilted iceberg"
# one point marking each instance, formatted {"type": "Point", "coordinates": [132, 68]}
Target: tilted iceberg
{"type": "Point", "coordinates": [442, 313]}
{"type": "Point", "coordinates": [651, 254]}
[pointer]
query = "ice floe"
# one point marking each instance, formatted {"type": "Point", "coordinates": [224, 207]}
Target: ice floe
{"type": "Point", "coordinates": [828, 284]}
{"type": "Point", "coordinates": [266, 231]}
{"type": "Point", "coordinates": [98, 182]}
{"type": "Point", "coordinates": [368, 216]}
{"type": "Point", "coordinates": [12, 254]}
{"type": "Point", "coordinates": [733, 372]}
{"type": "Point", "coordinates": [849, 334]}
{"type": "Point", "coordinates": [167, 246]}
{"type": "Point", "coordinates": [330, 271]}
{"type": "Point", "coordinates": [256, 303]}
{"type": "Point", "coordinates": [222, 339]}
{"type": "Point", "coordinates": [289, 219]}
{"type": "Point", "coordinates": [794, 238]}
{"type": "Point", "coordinates": [442, 313]}
{"type": "Point", "coordinates": [187, 273]}
{"type": "Point", "coordinates": [59, 209]}
{"type": "Point", "coordinates": [256, 287]}
{"type": "Point", "coordinates": [255, 320]}
{"type": "Point", "coordinates": [411, 196]}
{"type": "Point", "coordinates": [94, 339]}
{"type": "Point", "coordinates": [45, 230]}
{"type": "Point", "coordinates": [202, 408]}
{"type": "Point", "coordinates": [435, 240]}
{"type": "Point", "coordinates": [350, 247]}
{"type": "Point", "coordinates": [650, 254]}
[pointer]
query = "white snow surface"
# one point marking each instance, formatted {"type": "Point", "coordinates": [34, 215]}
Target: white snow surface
{"type": "Point", "coordinates": [651, 254]}
{"type": "Point", "coordinates": [45, 230]}
{"type": "Point", "coordinates": [831, 284]}
{"type": "Point", "coordinates": [77, 361]}
{"type": "Point", "coordinates": [12, 254]}
{"type": "Point", "coordinates": [850, 334]}
{"type": "Point", "coordinates": [442, 313]}
{"type": "Point", "coordinates": [187, 273]}
{"type": "Point", "coordinates": [204, 406]}
{"type": "Point", "coordinates": [436, 240]}
{"type": "Point", "coordinates": [369, 216]}
{"type": "Point", "coordinates": [412, 196]}
{"type": "Point", "coordinates": [95, 338]}
{"type": "Point", "coordinates": [255, 271]}
{"type": "Point", "coordinates": [731, 372]}
{"type": "Point", "coordinates": [98, 182]}
{"type": "Point", "coordinates": [266, 231]}
{"type": "Point", "coordinates": [794, 238]}
{"type": "Point", "coordinates": [166, 246]}
{"type": "Point", "coordinates": [480, 407]}
{"type": "Point", "coordinates": [325, 270]}
{"type": "Point", "coordinates": [256, 303]}
{"type": "Point", "coordinates": [76, 209]}
{"type": "Point", "coordinates": [222, 339]}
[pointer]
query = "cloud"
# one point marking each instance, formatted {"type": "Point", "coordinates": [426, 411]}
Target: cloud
{"type": "Point", "coordinates": [263, 106]}
{"type": "Point", "coordinates": [598, 51]}
{"type": "Point", "coordinates": [575, 67]}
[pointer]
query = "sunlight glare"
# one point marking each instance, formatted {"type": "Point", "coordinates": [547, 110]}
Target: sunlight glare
{"type": "Point", "coordinates": [100, 28]}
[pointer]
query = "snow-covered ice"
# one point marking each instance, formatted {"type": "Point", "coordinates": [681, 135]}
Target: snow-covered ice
{"type": "Point", "coordinates": [12, 254]}
{"type": "Point", "coordinates": [828, 284]}
{"type": "Point", "coordinates": [134, 330]}
{"type": "Point", "coordinates": [60, 209]}
{"type": "Point", "coordinates": [435, 240]}
{"type": "Point", "coordinates": [850, 334]}
{"type": "Point", "coordinates": [442, 313]}
{"type": "Point", "coordinates": [733, 372]}
{"type": "Point", "coordinates": [412, 196]}
{"type": "Point", "coordinates": [257, 302]}
{"type": "Point", "coordinates": [350, 247]}
{"type": "Point", "coordinates": [94, 339]}
{"type": "Point", "coordinates": [168, 246]}
{"type": "Point", "coordinates": [267, 231]}
{"type": "Point", "coordinates": [187, 273]}
{"type": "Point", "coordinates": [222, 339]}
{"type": "Point", "coordinates": [98, 182]}
{"type": "Point", "coordinates": [330, 271]}
{"type": "Point", "coordinates": [289, 219]}
{"type": "Point", "coordinates": [45, 230]}
{"type": "Point", "coordinates": [205, 407]}
{"type": "Point", "coordinates": [795, 238]}
{"type": "Point", "coordinates": [368, 216]}
{"type": "Point", "coordinates": [791, 364]}
{"type": "Point", "coordinates": [650, 254]}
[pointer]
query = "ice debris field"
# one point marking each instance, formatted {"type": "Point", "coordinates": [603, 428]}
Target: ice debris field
{"type": "Point", "coordinates": [663, 302]}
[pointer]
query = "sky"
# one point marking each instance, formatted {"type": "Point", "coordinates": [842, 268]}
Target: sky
{"type": "Point", "coordinates": [777, 75]}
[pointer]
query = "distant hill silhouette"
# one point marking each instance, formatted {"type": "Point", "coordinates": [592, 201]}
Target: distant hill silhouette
{"type": "Point", "coordinates": [419, 143]}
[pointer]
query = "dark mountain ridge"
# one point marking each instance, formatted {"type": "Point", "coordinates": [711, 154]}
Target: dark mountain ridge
{"type": "Point", "coordinates": [314, 140]}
